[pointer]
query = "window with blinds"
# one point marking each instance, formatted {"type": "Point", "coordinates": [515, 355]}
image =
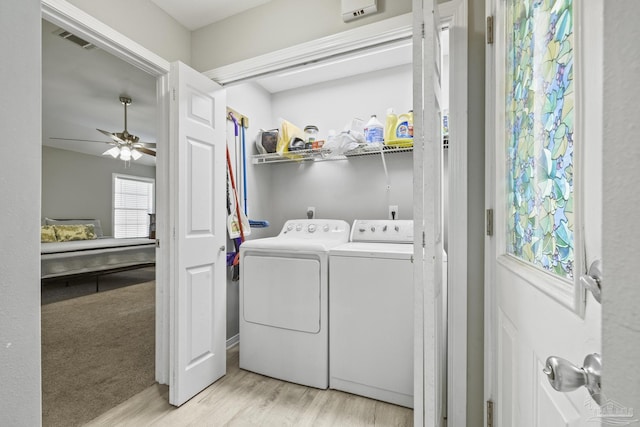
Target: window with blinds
{"type": "Point", "coordinates": [133, 201]}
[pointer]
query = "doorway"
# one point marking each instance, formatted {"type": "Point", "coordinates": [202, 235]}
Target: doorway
{"type": "Point", "coordinates": [78, 183]}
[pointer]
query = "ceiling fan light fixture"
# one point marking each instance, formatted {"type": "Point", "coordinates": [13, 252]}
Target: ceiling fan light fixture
{"type": "Point", "coordinates": [135, 154]}
{"type": "Point", "coordinates": [113, 152]}
{"type": "Point", "coordinates": [125, 153]}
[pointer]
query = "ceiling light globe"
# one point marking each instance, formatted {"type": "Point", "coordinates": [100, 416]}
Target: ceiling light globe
{"type": "Point", "coordinates": [125, 153]}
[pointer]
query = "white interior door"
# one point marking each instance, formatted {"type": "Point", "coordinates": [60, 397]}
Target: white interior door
{"type": "Point", "coordinates": [197, 248]}
{"type": "Point", "coordinates": [544, 182]}
{"type": "Point", "coordinates": [429, 344]}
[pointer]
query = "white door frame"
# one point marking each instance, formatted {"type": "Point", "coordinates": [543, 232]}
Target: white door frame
{"type": "Point", "coordinates": [455, 14]}
{"type": "Point", "coordinates": [87, 27]}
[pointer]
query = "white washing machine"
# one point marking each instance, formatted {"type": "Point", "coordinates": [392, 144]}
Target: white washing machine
{"type": "Point", "coordinates": [371, 312]}
{"type": "Point", "coordinates": [284, 325]}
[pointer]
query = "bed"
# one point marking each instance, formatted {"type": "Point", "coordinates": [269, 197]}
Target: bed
{"type": "Point", "coordinates": [76, 248]}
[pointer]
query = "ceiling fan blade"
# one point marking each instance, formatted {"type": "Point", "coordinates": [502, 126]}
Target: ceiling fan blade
{"type": "Point", "coordinates": [82, 140]}
{"type": "Point", "coordinates": [144, 144]}
{"type": "Point", "coordinates": [146, 151]}
{"type": "Point", "coordinates": [112, 136]}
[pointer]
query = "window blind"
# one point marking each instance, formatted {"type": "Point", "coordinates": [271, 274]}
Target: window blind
{"type": "Point", "coordinates": [133, 201]}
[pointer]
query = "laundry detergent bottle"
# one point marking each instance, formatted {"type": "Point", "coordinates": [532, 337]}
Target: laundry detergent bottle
{"type": "Point", "coordinates": [374, 132]}
{"type": "Point", "coordinates": [404, 130]}
{"type": "Point", "coordinates": [390, 127]}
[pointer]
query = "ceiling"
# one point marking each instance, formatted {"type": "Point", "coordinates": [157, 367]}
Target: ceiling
{"type": "Point", "coordinates": [81, 87]}
{"type": "Point", "coordinates": [80, 93]}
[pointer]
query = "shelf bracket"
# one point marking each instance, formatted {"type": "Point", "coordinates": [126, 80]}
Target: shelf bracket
{"type": "Point", "coordinates": [241, 118]}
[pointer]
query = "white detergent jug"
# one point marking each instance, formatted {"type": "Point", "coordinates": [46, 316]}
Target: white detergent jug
{"type": "Point", "coordinates": [374, 131]}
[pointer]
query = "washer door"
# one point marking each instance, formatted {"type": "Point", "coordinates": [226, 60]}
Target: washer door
{"type": "Point", "coordinates": [282, 292]}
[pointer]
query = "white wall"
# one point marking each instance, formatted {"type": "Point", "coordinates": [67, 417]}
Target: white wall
{"type": "Point", "coordinates": [20, 109]}
{"type": "Point", "coordinates": [277, 25]}
{"type": "Point", "coordinates": [76, 185]}
{"type": "Point", "coordinates": [621, 233]}
{"type": "Point", "coordinates": [144, 22]}
{"type": "Point", "coordinates": [344, 189]}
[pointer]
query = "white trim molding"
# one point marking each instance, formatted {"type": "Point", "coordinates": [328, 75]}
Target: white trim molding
{"type": "Point", "coordinates": [377, 34]}
{"type": "Point", "coordinates": [458, 216]}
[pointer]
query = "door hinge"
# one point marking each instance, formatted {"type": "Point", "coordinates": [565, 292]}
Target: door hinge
{"type": "Point", "coordinates": [489, 29]}
{"type": "Point", "coordinates": [489, 222]}
{"type": "Point", "coordinates": [173, 92]}
{"type": "Point", "coordinates": [489, 413]}
{"type": "Point", "coordinates": [157, 243]}
{"type": "Point", "coordinates": [424, 239]}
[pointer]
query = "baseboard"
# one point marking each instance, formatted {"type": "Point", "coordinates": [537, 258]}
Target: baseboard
{"type": "Point", "coordinates": [234, 340]}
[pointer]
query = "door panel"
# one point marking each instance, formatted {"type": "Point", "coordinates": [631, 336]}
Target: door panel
{"type": "Point", "coordinates": [197, 251]}
{"type": "Point", "coordinates": [270, 280]}
{"type": "Point", "coordinates": [536, 306]}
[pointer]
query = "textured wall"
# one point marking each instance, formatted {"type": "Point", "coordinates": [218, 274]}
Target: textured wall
{"type": "Point", "coordinates": [76, 185]}
{"type": "Point", "coordinates": [277, 25]}
{"type": "Point", "coordinates": [20, 395]}
{"type": "Point", "coordinates": [621, 232]}
{"type": "Point", "coordinates": [145, 23]}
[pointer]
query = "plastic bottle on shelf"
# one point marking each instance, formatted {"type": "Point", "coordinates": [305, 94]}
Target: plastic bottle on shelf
{"type": "Point", "coordinates": [310, 136]}
{"type": "Point", "coordinates": [404, 130]}
{"type": "Point", "coordinates": [374, 132]}
{"type": "Point", "coordinates": [390, 127]}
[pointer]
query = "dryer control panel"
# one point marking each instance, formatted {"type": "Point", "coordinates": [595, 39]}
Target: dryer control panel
{"type": "Point", "coordinates": [321, 229]}
{"type": "Point", "coordinates": [382, 230]}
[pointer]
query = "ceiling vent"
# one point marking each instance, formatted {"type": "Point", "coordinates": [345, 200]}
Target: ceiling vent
{"type": "Point", "coordinates": [74, 39]}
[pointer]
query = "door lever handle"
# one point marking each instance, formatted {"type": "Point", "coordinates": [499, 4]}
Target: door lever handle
{"type": "Point", "coordinates": [564, 376]}
{"type": "Point", "coordinates": [592, 281]}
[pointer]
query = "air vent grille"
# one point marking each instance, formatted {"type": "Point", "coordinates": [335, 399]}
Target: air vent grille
{"type": "Point", "coordinates": [75, 39]}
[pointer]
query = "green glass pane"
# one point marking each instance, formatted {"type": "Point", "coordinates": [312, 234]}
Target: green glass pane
{"type": "Point", "coordinates": [539, 133]}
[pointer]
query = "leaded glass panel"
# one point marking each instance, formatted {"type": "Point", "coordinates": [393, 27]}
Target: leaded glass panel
{"type": "Point", "coordinates": [539, 125]}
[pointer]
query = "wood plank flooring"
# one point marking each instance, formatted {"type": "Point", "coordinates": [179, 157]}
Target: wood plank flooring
{"type": "Point", "coordinates": [243, 398]}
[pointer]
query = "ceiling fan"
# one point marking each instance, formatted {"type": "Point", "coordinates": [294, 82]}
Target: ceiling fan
{"type": "Point", "coordinates": [125, 145]}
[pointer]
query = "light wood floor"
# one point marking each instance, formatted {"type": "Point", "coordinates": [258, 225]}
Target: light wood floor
{"type": "Point", "coordinates": [242, 398]}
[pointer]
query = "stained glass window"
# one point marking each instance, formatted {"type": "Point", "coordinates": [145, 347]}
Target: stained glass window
{"type": "Point", "coordinates": [539, 125]}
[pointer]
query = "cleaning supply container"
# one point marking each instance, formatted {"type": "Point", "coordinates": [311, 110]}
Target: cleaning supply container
{"type": "Point", "coordinates": [390, 127]}
{"type": "Point", "coordinates": [310, 135]}
{"type": "Point", "coordinates": [374, 132]}
{"type": "Point", "coordinates": [404, 130]}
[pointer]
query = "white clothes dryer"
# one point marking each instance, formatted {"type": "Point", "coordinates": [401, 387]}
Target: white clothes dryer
{"type": "Point", "coordinates": [284, 325]}
{"type": "Point", "coordinates": [371, 312]}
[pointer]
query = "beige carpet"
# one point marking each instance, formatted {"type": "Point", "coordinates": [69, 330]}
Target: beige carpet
{"type": "Point", "coordinates": [97, 351]}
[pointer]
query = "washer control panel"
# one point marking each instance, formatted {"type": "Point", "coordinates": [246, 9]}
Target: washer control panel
{"type": "Point", "coordinates": [329, 229]}
{"type": "Point", "coordinates": [382, 230]}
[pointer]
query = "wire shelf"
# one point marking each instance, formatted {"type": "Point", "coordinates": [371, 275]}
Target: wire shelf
{"type": "Point", "coordinates": [323, 154]}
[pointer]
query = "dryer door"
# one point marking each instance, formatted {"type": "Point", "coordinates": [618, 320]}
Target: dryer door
{"type": "Point", "coordinates": [282, 292]}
